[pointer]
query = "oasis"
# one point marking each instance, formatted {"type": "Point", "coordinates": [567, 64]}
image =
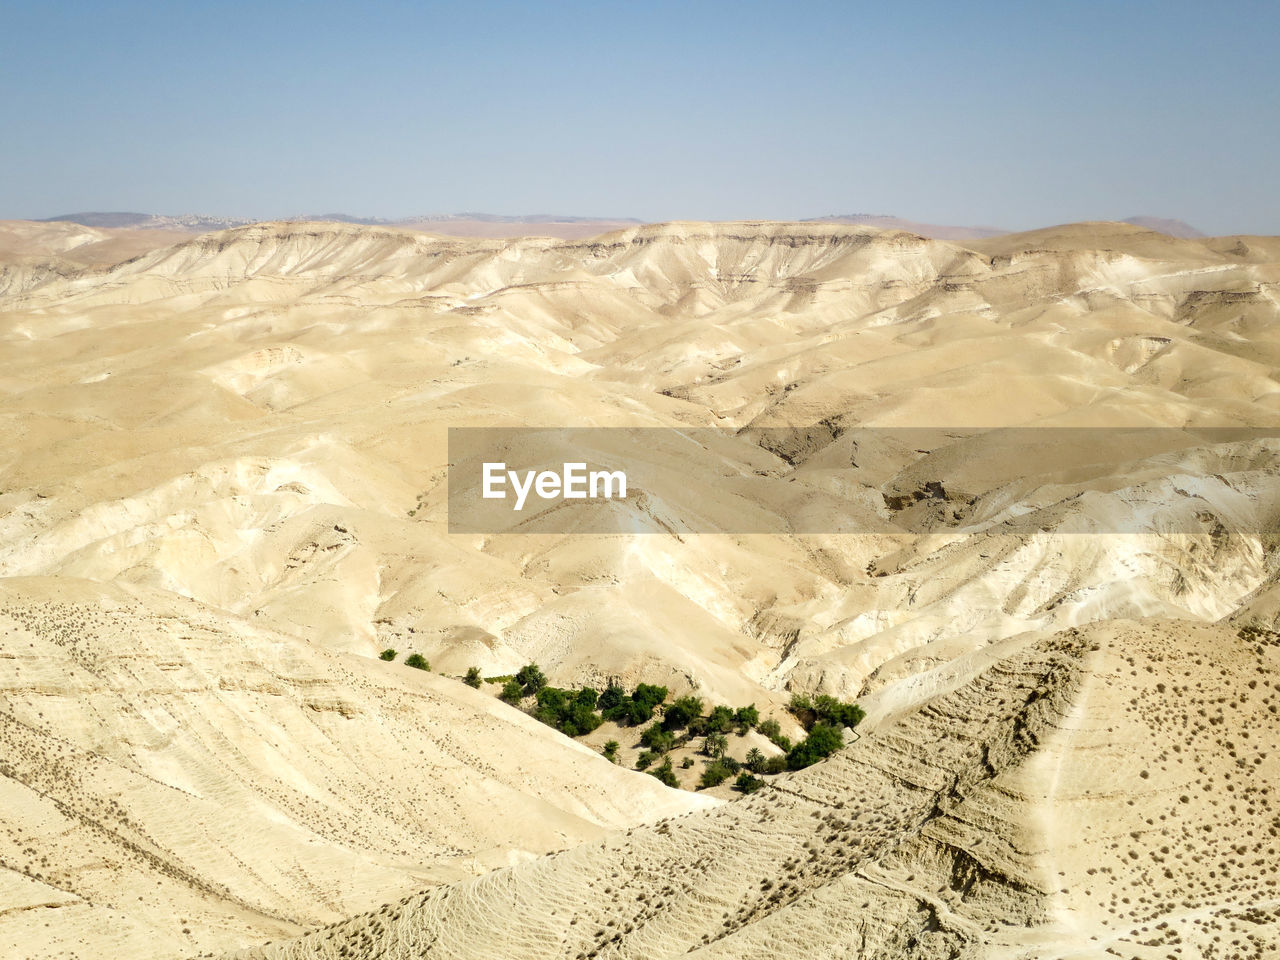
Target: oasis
{"type": "Point", "coordinates": [573, 482]}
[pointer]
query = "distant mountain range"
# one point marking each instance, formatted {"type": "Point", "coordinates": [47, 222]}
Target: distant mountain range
{"type": "Point", "coordinates": [570, 227]}
{"type": "Point", "coordinates": [934, 230]}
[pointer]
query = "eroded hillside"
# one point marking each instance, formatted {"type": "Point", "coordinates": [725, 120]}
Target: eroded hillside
{"type": "Point", "coordinates": [224, 493]}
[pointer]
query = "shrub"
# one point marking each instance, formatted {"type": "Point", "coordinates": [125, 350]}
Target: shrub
{"type": "Point", "coordinates": [801, 707]}
{"type": "Point", "coordinates": [512, 691]}
{"type": "Point", "coordinates": [417, 661]}
{"type": "Point", "coordinates": [665, 774]}
{"type": "Point", "coordinates": [822, 741]}
{"type": "Point", "coordinates": [686, 763]}
{"type": "Point", "coordinates": [831, 711]}
{"type": "Point", "coordinates": [638, 712]}
{"type": "Point", "coordinates": [776, 764]}
{"type": "Point", "coordinates": [714, 774]}
{"type": "Point", "coordinates": [720, 720]}
{"type": "Point", "coordinates": [644, 759]}
{"type": "Point", "coordinates": [744, 718]}
{"type": "Point", "coordinates": [657, 739]}
{"type": "Point", "coordinates": [611, 750]}
{"type": "Point", "coordinates": [771, 729]}
{"type": "Point", "coordinates": [472, 679]}
{"type": "Point", "coordinates": [747, 783]}
{"type": "Point", "coordinates": [531, 678]}
{"type": "Point", "coordinates": [387, 654]}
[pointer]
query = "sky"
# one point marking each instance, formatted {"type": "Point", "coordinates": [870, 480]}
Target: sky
{"type": "Point", "coordinates": [1015, 115]}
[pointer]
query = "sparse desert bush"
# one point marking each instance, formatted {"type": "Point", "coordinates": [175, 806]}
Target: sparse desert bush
{"type": "Point", "coordinates": [417, 661]}
{"type": "Point", "coordinates": [611, 750]}
{"type": "Point", "coordinates": [472, 679]}
{"type": "Point", "coordinates": [644, 760]}
{"type": "Point", "coordinates": [388, 655]}
{"type": "Point", "coordinates": [512, 691]}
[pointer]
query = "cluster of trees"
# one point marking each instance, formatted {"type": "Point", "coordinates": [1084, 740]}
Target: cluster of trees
{"type": "Point", "coordinates": [526, 683]}
{"type": "Point", "coordinates": [572, 712]}
{"type": "Point", "coordinates": [633, 709]}
{"type": "Point", "coordinates": [824, 709]}
{"type": "Point", "coordinates": [578, 712]}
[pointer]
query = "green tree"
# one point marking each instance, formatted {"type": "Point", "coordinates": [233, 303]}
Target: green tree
{"type": "Point", "coordinates": [822, 741]}
{"type": "Point", "coordinates": [611, 750]}
{"type": "Point", "coordinates": [572, 712]}
{"type": "Point", "coordinates": [747, 783]}
{"type": "Point", "coordinates": [744, 718]}
{"type": "Point", "coordinates": [644, 760]}
{"type": "Point", "coordinates": [531, 678]}
{"type": "Point", "coordinates": [755, 760]}
{"type": "Point", "coordinates": [713, 774]}
{"type": "Point", "coordinates": [715, 745]}
{"type": "Point", "coordinates": [472, 679]}
{"type": "Point", "coordinates": [631, 710]}
{"type": "Point", "coordinates": [613, 696]}
{"type": "Point", "coordinates": [720, 720]}
{"type": "Point", "coordinates": [771, 729]}
{"type": "Point", "coordinates": [656, 738]}
{"type": "Point", "coordinates": [831, 711]}
{"type": "Point", "coordinates": [681, 711]}
{"type": "Point", "coordinates": [665, 774]}
{"type": "Point", "coordinates": [776, 764]}
{"type": "Point", "coordinates": [512, 691]}
{"type": "Point", "coordinates": [650, 694]}
{"type": "Point", "coordinates": [387, 654]}
{"type": "Point", "coordinates": [417, 661]}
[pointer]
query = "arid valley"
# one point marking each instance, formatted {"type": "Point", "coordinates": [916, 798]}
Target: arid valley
{"type": "Point", "coordinates": [224, 496]}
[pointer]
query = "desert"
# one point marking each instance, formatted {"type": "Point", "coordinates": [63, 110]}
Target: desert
{"type": "Point", "coordinates": [225, 499]}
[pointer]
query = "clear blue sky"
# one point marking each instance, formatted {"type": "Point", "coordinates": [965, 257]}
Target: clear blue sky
{"type": "Point", "coordinates": [1014, 114]}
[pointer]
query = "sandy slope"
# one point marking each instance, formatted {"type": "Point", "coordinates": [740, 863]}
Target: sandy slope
{"type": "Point", "coordinates": [246, 431]}
{"type": "Point", "coordinates": [176, 778]}
{"type": "Point", "coordinates": [1048, 804]}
